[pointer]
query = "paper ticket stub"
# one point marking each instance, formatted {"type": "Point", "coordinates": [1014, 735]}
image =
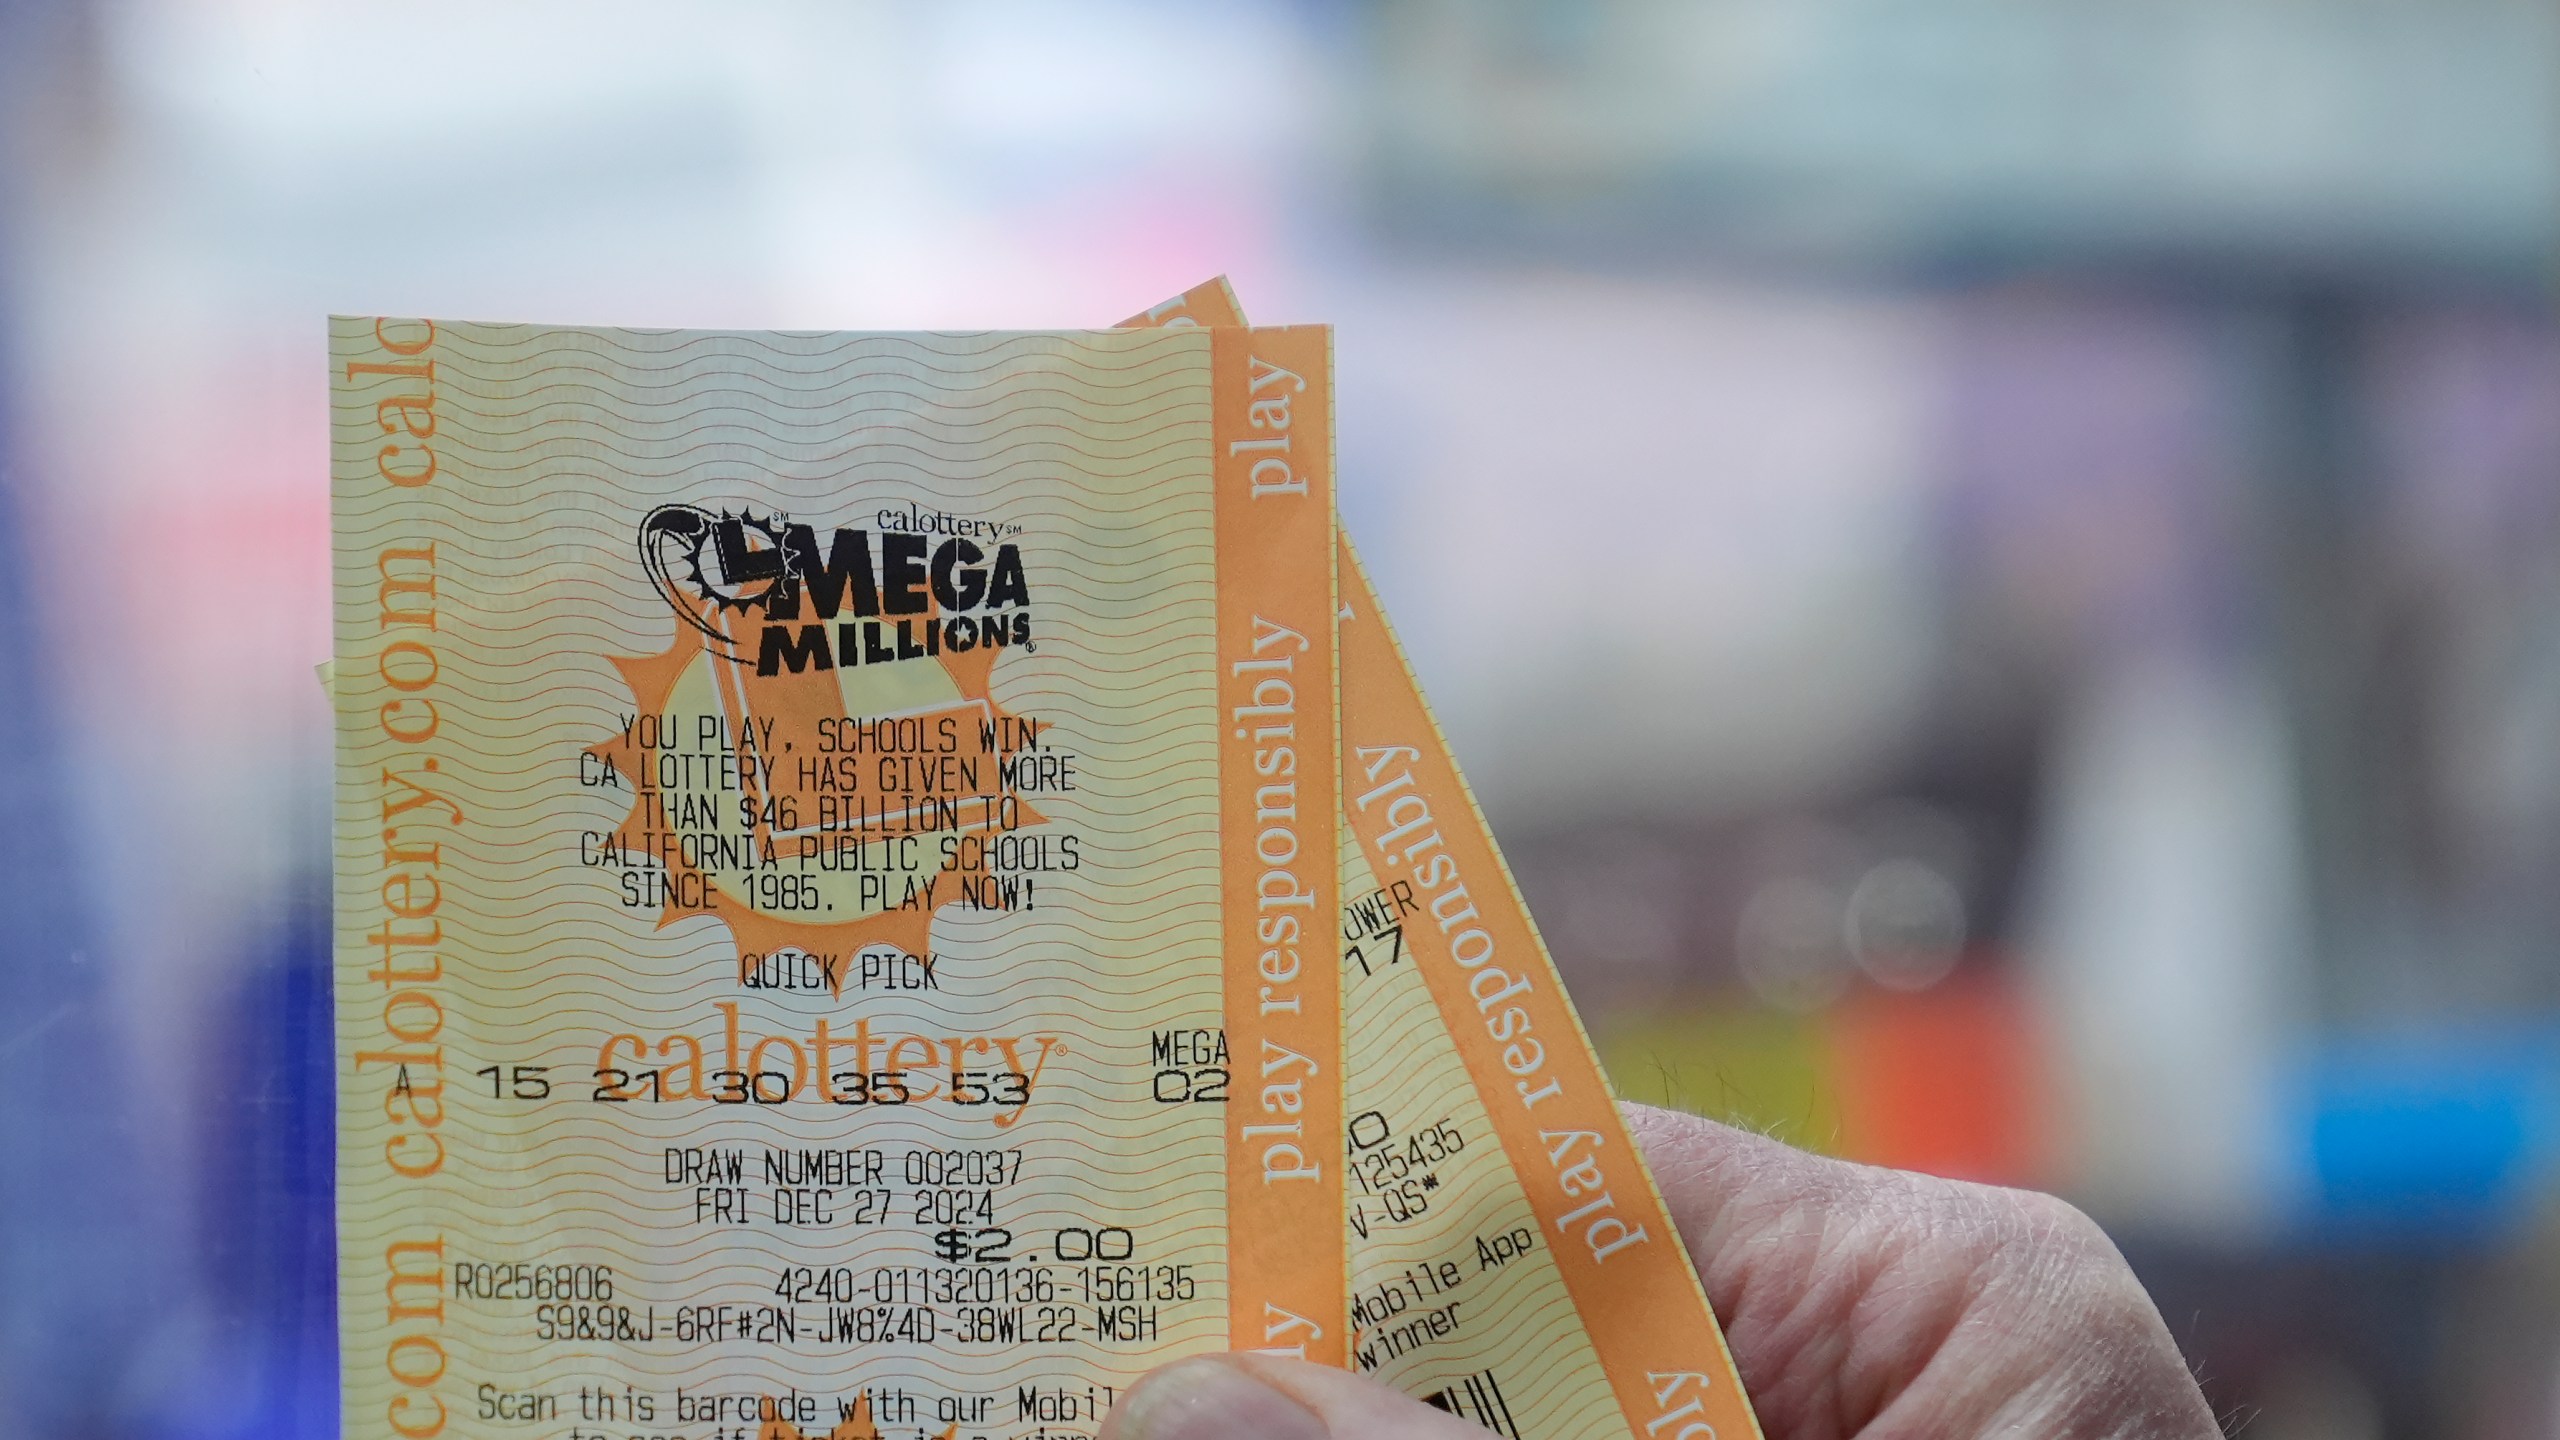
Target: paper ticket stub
{"type": "Point", "coordinates": [1511, 1258]}
{"type": "Point", "coordinates": [836, 846]}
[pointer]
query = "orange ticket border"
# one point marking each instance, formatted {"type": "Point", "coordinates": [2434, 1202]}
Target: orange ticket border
{"type": "Point", "coordinates": [1496, 987]}
{"type": "Point", "coordinates": [1289, 1256]}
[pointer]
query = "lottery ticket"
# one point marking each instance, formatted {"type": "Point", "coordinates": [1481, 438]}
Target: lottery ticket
{"type": "Point", "coordinates": [835, 844]}
{"type": "Point", "coordinates": [1511, 1257]}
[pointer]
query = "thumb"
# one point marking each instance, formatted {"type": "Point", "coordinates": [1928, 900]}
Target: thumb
{"type": "Point", "coordinates": [1254, 1397]}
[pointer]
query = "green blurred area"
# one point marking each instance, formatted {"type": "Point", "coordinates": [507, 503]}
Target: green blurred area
{"type": "Point", "coordinates": [1754, 1068]}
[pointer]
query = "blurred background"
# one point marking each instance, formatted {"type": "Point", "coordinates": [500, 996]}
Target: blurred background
{"type": "Point", "coordinates": [2060, 684]}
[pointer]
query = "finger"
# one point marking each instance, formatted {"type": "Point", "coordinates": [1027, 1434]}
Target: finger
{"type": "Point", "coordinates": [1850, 1292]}
{"type": "Point", "coordinates": [1757, 1214]}
{"type": "Point", "coordinates": [1838, 1284]}
{"type": "Point", "coordinates": [1254, 1397]}
{"type": "Point", "coordinates": [1721, 1182]}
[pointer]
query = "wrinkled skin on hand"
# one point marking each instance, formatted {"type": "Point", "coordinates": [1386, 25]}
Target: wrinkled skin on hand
{"type": "Point", "coordinates": [1858, 1302]}
{"type": "Point", "coordinates": [1877, 1303]}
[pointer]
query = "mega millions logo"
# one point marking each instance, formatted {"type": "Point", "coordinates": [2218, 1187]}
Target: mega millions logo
{"type": "Point", "coordinates": [816, 757]}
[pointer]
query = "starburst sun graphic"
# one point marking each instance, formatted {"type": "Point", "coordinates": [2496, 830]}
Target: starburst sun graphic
{"type": "Point", "coordinates": [819, 810]}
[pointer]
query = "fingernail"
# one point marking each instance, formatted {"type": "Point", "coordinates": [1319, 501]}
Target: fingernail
{"type": "Point", "coordinates": [1209, 1400]}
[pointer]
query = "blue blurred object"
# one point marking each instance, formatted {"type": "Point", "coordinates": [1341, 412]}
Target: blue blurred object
{"type": "Point", "coordinates": [2443, 1136]}
{"type": "Point", "coordinates": [268, 1246]}
{"type": "Point", "coordinates": [76, 1272]}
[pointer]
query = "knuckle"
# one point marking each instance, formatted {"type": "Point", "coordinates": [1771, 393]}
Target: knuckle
{"type": "Point", "coordinates": [2073, 1264]}
{"type": "Point", "coordinates": [2055, 1221]}
{"type": "Point", "coordinates": [2048, 1238]}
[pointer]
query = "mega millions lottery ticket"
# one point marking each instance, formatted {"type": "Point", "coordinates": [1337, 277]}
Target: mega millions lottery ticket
{"type": "Point", "coordinates": [836, 854]}
{"type": "Point", "coordinates": [1511, 1258]}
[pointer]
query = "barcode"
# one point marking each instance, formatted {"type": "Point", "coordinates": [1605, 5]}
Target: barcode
{"type": "Point", "coordinates": [1479, 1398]}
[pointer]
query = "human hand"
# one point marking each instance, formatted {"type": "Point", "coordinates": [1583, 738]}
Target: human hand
{"type": "Point", "coordinates": [1858, 1302]}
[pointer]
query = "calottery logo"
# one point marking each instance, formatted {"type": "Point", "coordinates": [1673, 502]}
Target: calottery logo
{"type": "Point", "coordinates": [761, 591]}
{"type": "Point", "coordinates": [817, 758]}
